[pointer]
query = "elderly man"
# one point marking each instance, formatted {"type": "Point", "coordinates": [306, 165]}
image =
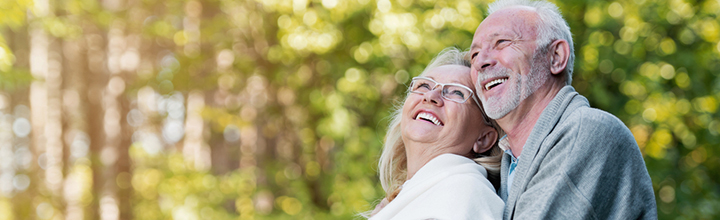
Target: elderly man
{"type": "Point", "coordinates": [564, 159]}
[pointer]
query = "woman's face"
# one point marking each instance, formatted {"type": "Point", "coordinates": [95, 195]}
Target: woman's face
{"type": "Point", "coordinates": [458, 125]}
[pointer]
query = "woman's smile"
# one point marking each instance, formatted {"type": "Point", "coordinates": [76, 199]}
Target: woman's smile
{"type": "Point", "coordinates": [429, 117]}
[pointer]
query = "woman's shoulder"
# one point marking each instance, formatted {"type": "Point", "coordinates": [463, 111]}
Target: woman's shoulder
{"type": "Point", "coordinates": [451, 187]}
{"type": "Point", "coordinates": [466, 182]}
{"type": "Point", "coordinates": [461, 196]}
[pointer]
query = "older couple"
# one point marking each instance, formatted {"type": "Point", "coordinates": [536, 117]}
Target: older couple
{"type": "Point", "coordinates": [559, 158]}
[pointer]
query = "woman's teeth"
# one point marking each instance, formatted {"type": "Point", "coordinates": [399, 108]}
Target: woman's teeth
{"type": "Point", "coordinates": [428, 117]}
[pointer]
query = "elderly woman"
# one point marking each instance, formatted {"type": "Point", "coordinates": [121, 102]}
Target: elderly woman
{"type": "Point", "coordinates": [441, 149]}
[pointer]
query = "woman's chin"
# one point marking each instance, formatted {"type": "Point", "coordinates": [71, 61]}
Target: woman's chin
{"type": "Point", "coordinates": [421, 135]}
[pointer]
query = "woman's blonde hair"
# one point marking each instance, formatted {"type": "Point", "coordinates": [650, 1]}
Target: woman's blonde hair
{"type": "Point", "coordinates": [393, 160]}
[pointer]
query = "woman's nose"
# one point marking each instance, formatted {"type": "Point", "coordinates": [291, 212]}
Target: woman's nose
{"type": "Point", "coordinates": [434, 96]}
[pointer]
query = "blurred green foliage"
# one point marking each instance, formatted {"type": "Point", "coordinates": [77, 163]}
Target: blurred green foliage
{"type": "Point", "coordinates": [315, 80]}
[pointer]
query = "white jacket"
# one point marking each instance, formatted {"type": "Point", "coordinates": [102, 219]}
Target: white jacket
{"type": "Point", "coordinates": [448, 187]}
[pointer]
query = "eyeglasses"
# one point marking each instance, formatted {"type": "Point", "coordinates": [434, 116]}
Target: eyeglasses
{"type": "Point", "coordinates": [450, 91]}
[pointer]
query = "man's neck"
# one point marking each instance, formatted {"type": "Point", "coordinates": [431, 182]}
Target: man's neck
{"type": "Point", "coordinates": [518, 124]}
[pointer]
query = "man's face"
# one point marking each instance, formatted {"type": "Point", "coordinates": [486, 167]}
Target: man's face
{"type": "Point", "coordinates": [504, 66]}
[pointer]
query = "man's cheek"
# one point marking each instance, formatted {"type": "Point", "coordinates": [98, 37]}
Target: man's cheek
{"type": "Point", "coordinates": [473, 76]}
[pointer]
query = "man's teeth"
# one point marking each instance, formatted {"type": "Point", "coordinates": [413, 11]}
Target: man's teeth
{"type": "Point", "coordinates": [494, 83]}
{"type": "Point", "coordinates": [428, 117]}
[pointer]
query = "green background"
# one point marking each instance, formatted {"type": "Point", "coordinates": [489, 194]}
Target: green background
{"type": "Point", "coordinates": [295, 100]}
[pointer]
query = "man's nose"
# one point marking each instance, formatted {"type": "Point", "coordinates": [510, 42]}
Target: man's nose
{"type": "Point", "coordinates": [483, 61]}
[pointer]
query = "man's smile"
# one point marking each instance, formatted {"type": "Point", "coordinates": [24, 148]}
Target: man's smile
{"type": "Point", "coordinates": [494, 83]}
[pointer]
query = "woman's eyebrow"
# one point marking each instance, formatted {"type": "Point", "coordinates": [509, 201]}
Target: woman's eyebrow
{"type": "Point", "coordinates": [455, 82]}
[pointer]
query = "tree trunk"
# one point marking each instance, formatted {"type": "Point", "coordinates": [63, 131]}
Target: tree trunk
{"type": "Point", "coordinates": [97, 78]}
{"type": "Point", "coordinates": [46, 105]}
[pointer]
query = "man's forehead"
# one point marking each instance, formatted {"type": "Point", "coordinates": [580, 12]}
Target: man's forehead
{"type": "Point", "coordinates": [515, 15]}
{"type": "Point", "coordinates": [508, 21]}
{"type": "Point", "coordinates": [488, 34]}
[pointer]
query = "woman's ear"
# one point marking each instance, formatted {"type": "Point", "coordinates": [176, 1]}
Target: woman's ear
{"type": "Point", "coordinates": [485, 141]}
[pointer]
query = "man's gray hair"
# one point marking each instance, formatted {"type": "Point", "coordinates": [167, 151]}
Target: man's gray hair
{"type": "Point", "coordinates": [552, 27]}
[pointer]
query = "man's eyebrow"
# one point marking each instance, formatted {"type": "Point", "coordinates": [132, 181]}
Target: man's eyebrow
{"type": "Point", "coordinates": [492, 36]}
{"type": "Point", "coordinates": [474, 45]}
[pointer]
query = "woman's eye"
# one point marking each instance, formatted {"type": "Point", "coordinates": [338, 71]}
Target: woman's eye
{"type": "Point", "coordinates": [458, 93]}
{"type": "Point", "coordinates": [423, 85]}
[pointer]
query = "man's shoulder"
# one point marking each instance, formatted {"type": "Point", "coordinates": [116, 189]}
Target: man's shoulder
{"type": "Point", "coordinates": [588, 118]}
{"type": "Point", "coordinates": [574, 112]}
{"type": "Point", "coordinates": [585, 128]}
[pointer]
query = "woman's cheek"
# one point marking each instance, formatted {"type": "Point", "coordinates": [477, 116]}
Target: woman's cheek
{"type": "Point", "coordinates": [475, 118]}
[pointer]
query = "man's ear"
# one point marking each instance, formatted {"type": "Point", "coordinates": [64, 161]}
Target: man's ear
{"type": "Point", "coordinates": [485, 141]}
{"type": "Point", "coordinates": [559, 55]}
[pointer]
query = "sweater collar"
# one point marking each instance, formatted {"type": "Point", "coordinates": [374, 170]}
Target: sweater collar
{"type": "Point", "coordinates": [549, 118]}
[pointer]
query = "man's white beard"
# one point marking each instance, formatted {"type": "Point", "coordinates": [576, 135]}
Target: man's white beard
{"type": "Point", "coordinates": [497, 107]}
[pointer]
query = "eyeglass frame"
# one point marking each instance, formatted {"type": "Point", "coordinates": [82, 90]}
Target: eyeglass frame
{"type": "Point", "coordinates": [442, 94]}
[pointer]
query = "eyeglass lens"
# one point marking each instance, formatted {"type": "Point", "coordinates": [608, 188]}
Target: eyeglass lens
{"type": "Point", "coordinates": [451, 92]}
